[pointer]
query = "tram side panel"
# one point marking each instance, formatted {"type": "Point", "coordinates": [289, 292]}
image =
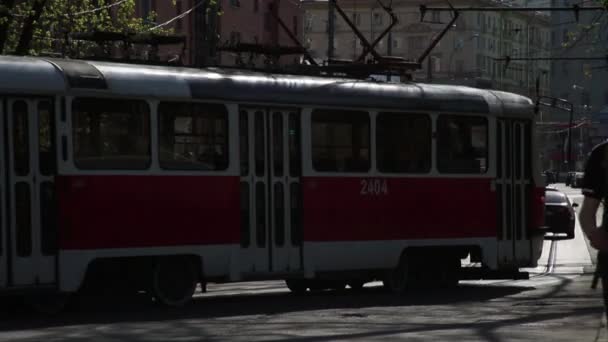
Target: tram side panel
{"type": "Point", "coordinates": [122, 216]}
{"type": "Point", "coordinates": [371, 220]}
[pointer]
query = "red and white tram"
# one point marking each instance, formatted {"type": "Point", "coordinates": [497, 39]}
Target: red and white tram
{"type": "Point", "coordinates": [165, 177]}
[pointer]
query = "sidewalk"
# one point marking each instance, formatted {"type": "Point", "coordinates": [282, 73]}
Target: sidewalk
{"type": "Point", "coordinates": [572, 259]}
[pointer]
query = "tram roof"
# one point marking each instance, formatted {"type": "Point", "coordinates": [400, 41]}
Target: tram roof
{"type": "Point", "coordinates": [33, 75]}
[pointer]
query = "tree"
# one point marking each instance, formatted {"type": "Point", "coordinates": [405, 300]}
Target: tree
{"type": "Point", "coordinates": [27, 30]}
{"type": "Point", "coordinates": [5, 19]}
{"type": "Point", "coordinates": [33, 27]}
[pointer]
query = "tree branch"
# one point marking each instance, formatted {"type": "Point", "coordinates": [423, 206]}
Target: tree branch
{"type": "Point", "coordinates": [27, 32]}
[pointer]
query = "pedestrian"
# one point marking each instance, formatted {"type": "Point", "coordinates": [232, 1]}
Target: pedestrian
{"type": "Point", "coordinates": [595, 191]}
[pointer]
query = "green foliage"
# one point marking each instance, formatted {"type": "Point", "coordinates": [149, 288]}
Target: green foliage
{"type": "Point", "coordinates": [62, 18]}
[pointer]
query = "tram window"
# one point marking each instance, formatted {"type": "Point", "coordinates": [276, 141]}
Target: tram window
{"type": "Point", "coordinates": [340, 141]}
{"type": "Point", "coordinates": [260, 214]}
{"type": "Point", "coordinates": [279, 214]}
{"type": "Point", "coordinates": [404, 142]}
{"type": "Point", "coordinates": [462, 145]}
{"type": "Point", "coordinates": [245, 215]}
{"type": "Point", "coordinates": [23, 219]}
{"type": "Point", "coordinates": [46, 133]}
{"type": "Point", "coordinates": [111, 134]}
{"type": "Point", "coordinates": [259, 144]}
{"type": "Point", "coordinates": [294, 145]}
{"type": "Point", "coordinates": [48, 219]}
{"type": "Point", "coordinates": [277, 143]}
{"type": "Point", "coordinates": [296, 216]}
{"type": "Point", "coordinates": [244, 142]}
{"type": "Point", "coordinates": [21, 139]}
{"type": "Point", "coordinates": [193, 136]}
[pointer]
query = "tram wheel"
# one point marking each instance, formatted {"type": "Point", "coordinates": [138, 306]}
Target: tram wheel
{"type": "Point", "coordinates": [450, 273]}
{"type": "Point", "coordinates": [338, 285]}
{"type": "Point", "coordinates": [49, 303]}
{"type": "Point", "coordinates": [297, 286]}
{"type": "Point", "coordinates": [397, 279]}
{"type": "Point", "coordinates": [317, 285]}
{"type": "Point", "coordinates": [174, 281]}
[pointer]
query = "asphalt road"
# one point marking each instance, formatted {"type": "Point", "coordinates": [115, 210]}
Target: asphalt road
{"type": "Point", "coordinates": [555, 304]}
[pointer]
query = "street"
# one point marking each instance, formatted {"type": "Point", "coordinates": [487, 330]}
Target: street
{"type": "Point", "coordinates": [555, 304]}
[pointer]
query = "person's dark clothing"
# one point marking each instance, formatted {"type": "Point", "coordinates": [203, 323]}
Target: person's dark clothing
{"type": "Point", "coordinates": [594, 181]}
{"type": "Point", "coordinates": [595, 185]}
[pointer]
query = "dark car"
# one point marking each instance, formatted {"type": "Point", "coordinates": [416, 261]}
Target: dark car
{"type": "Point", "coordinates": [559, 214]}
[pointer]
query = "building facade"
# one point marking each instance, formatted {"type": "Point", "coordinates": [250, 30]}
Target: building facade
{"type": "Point", "coordinates": [466, 54]}
{"type": "Point", "coordinates": [245, 21]}
{"type": "Point", "coordinates": [581, 82]}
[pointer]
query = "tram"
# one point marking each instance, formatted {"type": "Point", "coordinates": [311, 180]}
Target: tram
{"type": "Point", "coordinates": [161, 178]}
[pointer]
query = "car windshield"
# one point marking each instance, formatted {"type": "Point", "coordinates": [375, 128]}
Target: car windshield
{"type": "Point", "coordinates": [554, 197]}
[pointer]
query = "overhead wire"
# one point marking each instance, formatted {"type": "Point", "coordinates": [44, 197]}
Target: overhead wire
{"type": "Point", "coordinates": [117, 3]}
{"type": "Point", "coordinates": [179, 16]}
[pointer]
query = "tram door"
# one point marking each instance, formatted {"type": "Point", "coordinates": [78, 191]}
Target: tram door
{"type": "Point", "coordinates": [29, 165]}
{"type": "Point", "coordinates": [270, 156]}
{"type": "Point", "coordinates": [513, 185]}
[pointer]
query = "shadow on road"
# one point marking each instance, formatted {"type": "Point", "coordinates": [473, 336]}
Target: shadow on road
{"type": "Point", "coordinates": [106, 310]}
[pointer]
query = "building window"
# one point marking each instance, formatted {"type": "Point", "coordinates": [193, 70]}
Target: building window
{"type": "Point", "coordinates": [111, 133]}
{"type": "Point", "coordinates": [462, 145]}
{"type": "Point", "coordinates": [357, 18]}
{"type": "Point", "coordinates": [308, 23]}
{"type": "Point", "coordinates": [404, 143]}
{"type": "Point", "coordinates": [415, 42]}
{"type": "Point", "coordinates": [340, 141]}
{"type": "Point", "coordinates": [147, 6]}
{"type": "Point", "coordinates": [235, 3]}
{"type": "Point", "coordinates": [377, 18]}
{"type": "Point", "coordinates": [436, 63]}
{"type": "Point", "coordinates": [396, 43]}
{"type": "Point", "coordinates": [193, 136]}
{"type": "Point", "coordinates": [436, 16]}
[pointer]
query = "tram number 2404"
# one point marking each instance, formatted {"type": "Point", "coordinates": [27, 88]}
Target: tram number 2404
{"type": "Point", "coordinates": [373, 187]}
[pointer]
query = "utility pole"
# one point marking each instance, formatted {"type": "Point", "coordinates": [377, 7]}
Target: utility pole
{"type": "Point", "coordinates": [331, 26]}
